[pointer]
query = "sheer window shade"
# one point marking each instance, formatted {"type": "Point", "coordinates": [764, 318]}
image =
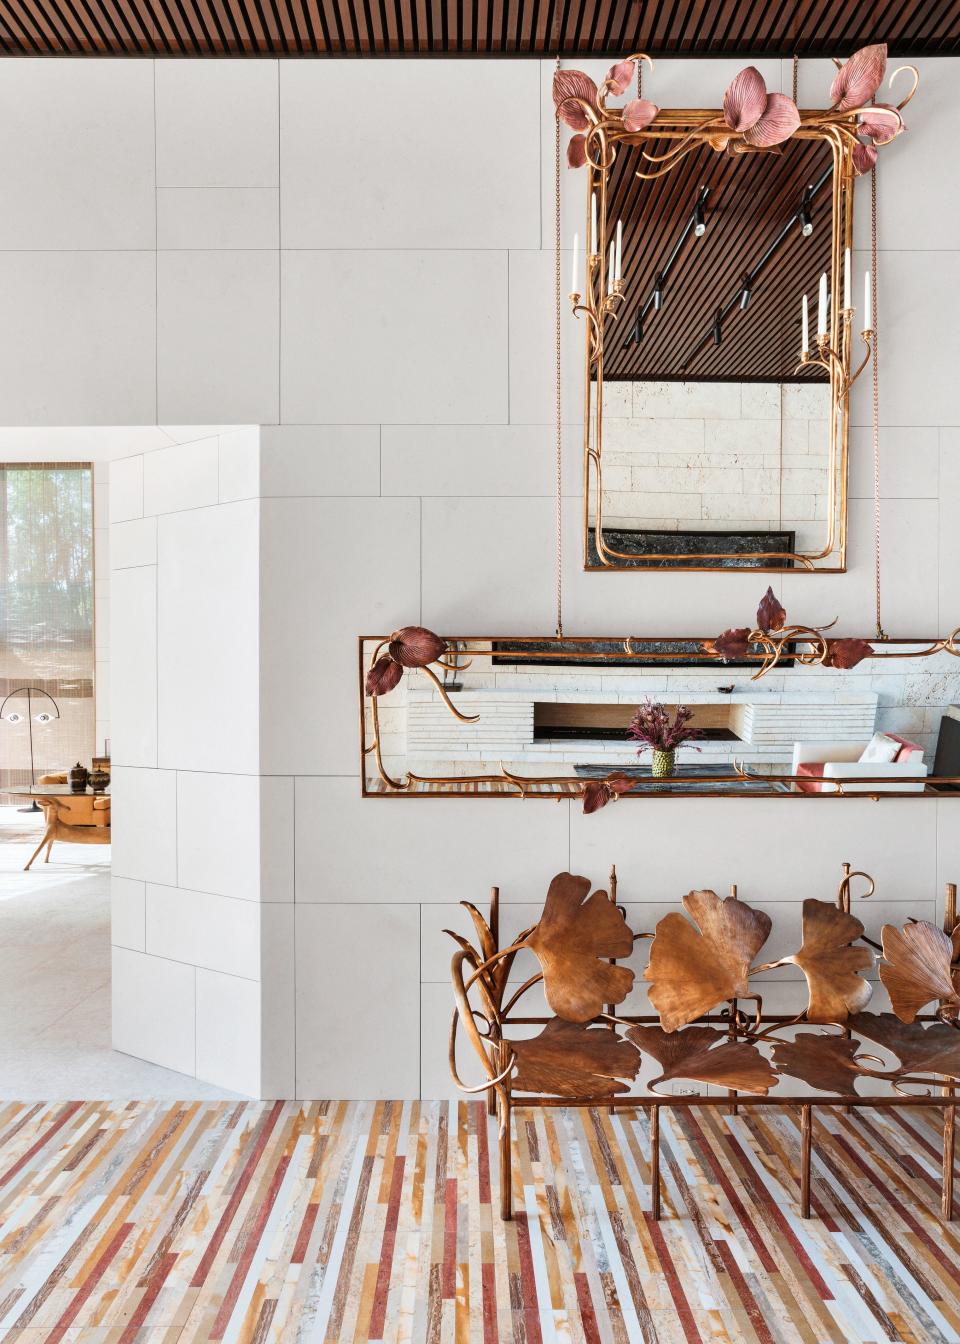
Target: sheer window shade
{"type": "Point", "coordinates": [46, 614]}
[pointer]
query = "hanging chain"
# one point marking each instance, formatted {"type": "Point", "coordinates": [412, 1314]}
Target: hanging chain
{"type": "Point", "coordinates": [556, 166]}
{"type": "Point", "coordinates": [875, 370]}
{"type": "Point", "coordinates": [796, 71]}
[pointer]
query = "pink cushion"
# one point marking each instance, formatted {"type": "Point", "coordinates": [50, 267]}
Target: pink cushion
{"type": "Point", "coordinates": [908, 750]}
{"type": "Point", "coordinates": [813, 770]}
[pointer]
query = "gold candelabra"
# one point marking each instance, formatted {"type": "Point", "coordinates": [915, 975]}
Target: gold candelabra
{"type": "Point", "coordinates": [595, 305]}
{"type": "Point", "coordinates": [837, 361]}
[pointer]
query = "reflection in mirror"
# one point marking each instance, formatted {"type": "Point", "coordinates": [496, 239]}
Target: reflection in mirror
{"type": "Point", "coordinates": [546, 717]}
{"type": "Point", "coordinates": [716, 447]}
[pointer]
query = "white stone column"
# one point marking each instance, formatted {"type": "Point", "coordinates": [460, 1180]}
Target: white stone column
{"type": "Point", "coordinates": [202, 840]}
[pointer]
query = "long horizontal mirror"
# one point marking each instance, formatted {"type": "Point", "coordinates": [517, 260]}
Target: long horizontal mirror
{"type": "Point", "coordinates": [710, 442]}
{"type": "Point", "coordinates": [595, 719]}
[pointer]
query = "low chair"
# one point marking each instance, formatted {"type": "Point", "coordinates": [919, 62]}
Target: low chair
{"type": "Point", "coordinates": [80, 818]}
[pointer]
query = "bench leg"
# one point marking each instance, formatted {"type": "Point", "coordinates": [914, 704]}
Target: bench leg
{"type": "Point", "coordinates": [806, 1146]}
{"type": "Point", "coordinates": [949, 1151]}
{"type": "Point", "coordinates": [655, 1162]}
{"type": "Point", "coordinates": [506, 1174]}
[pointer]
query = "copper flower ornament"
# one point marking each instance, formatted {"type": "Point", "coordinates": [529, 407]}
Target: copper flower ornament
{"type": "Point", "coordinates": [572, 942]}
{"type": "Point", "coordinates": [413, 646]}
{"type": "Point", "coordinates": [774, 639]}
{"type": "Point", "coordinates": [596, 793]}
{"type": "Point", "coordinates": [758, 118]}
{"type": "Point", "coordinates": [580, 104]}
{"type": "Point", "coordinates": [721, 944]}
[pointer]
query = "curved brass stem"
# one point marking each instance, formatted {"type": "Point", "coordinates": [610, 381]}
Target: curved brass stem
{"type": "Point", "coordinates": [464, 718]}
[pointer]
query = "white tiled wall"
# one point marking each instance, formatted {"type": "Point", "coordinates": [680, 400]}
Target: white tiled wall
{"type": "Point", "coordinates": [203, 846]}
{"type": "Point", "coordinates": [399, 351]}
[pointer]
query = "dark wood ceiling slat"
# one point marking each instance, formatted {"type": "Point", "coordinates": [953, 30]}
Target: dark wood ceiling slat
{"type": "Point", "coordinates": [577, 28]}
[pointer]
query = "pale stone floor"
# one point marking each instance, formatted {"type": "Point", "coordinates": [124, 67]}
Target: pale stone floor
{"type": "Point", "coordinates": [55, 979]}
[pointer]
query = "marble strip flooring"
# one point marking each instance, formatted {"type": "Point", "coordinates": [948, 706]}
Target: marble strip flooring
{"type": "Point", "coordinates": [346, 1221]}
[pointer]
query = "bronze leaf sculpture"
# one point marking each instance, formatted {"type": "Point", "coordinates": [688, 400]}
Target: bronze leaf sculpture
{"type": "Point", "coordinates": [831, 964]}
{"type": "Point", "coordinates": [916, 969]}
{"type": "Point", "coordinates": [695, 1053]}
{"type": "Point", "coordinates": [702, 966]}
{"type": "Point", "coordinates": [572, 941]}
{"type": "Point", "coordinates": [695, 967]}
{"type": "Point", "coordinates": [568, 1059]}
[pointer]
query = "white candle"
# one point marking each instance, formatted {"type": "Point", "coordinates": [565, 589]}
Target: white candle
{"type": "Point", "coordinates": [610, 272]}
{"type": "Point", "coordinates": [573, 271]}
{"type": "Point", "coordinates": [822, 307]}
{"type": "Point", "coordinates": [846, 279]}
{"type": "Point", "coordinates": [806, 328]}
{"type": "Point", "coordinates": [867, 305]}
{"type": "Point", "coordinates": [593, 224]}
{"type": "Point", "coordinates": [619, 273]}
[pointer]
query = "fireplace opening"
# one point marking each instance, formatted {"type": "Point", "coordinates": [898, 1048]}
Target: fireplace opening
{"type": "Point", "coordinates": [597, 722]}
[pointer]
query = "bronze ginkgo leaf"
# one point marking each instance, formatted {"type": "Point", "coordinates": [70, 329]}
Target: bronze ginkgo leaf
{"type": "Point", "coordinates": [694, 968]}
{"type": "Point", "coordinates": [825, 1062]}
{"type": "Point", "coordinates": [920, 1049]}
{"type": "Point", "coordinates": [568, 1059]}
{"type": "Point", "coordinates": [916, 968]}
{"type": "Point", "coordinates": [572, 940]}
{"type": "Point", "coordinates": [695, 1053]}
{"type": "Point", "coordinates": [831, 966]}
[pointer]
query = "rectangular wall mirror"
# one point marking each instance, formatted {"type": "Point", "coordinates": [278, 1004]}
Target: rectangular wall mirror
{"type": "Point", "coordinates": [538, 717]}
{"type": "Point", "coordinates": [707, 444]}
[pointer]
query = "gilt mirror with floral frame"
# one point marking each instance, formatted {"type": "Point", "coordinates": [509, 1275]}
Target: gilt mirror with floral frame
{"type": "Point", "coordinates": [715, 408]}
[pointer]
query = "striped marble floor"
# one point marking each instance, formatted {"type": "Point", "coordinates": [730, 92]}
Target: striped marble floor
{"type": "Point", "coordinates": [359, 1221]}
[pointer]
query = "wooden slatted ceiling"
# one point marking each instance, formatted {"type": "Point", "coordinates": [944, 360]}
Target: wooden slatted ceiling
{"type": "Point", "coordinates": [490, 27]}
{"type": "Point", "coordinates": [751, 198]}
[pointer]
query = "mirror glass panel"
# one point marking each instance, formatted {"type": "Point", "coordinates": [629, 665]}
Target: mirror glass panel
{"type": "Point", "coordinates": [714, 446]}
{"type": "Point", "coordinates": [546, 716]}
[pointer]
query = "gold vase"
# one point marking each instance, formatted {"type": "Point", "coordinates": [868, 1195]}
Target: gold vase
{"type": "Point", "coordinates": [663, 763]}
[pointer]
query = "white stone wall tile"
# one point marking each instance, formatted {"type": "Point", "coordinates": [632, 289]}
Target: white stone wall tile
{"type": "Point", "coordinates": [303, 460]}
{"type": "Point", "coordinates": [184, 476]}
{"type": "Point", "coordinates": [218, 342]}
{"type": "Point", "coordinates": [128, 913]}
{"type": "Point", "coordinates": [214, 218]}
{"type": "Point", "coordinates": [330, 344]}
{"type": "Point", "coordinates": [217, 123]}
{"type": "Point", "coordinates": [228, 1032]}
{"type": "Point", "coordinates": [482, 198]}
{"type": "Point", "coordinates": [154, 1010]}
{"type": "Point", "coordinates": [134, 665]}
{"type": "Point", "coordinates": [134, 542]}
{"type": "Point", "coordinates": [202, 929]}
{"type": "Point", "coordinates": [367, 955]}
{"type": "Point", "coordinates": [92, 314]}
{"type": "Point", "coordinates": [77, 148]}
